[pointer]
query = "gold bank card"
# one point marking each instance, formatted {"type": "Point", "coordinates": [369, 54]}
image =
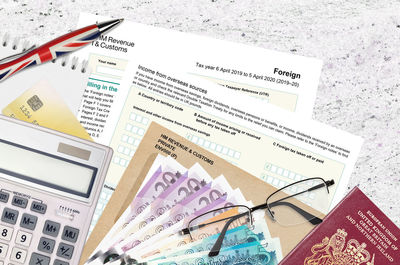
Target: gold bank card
{"type": "Point", "coordinates": [42, 105]}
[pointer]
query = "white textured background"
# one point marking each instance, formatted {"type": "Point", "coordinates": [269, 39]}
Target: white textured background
{"type": "Point", "coordinates": [359, 42]}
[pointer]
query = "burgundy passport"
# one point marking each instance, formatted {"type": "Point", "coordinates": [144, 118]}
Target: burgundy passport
{"type": "Point", "coordinates": [355, 232]}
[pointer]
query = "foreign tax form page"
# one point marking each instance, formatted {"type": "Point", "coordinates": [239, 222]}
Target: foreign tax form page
{"type": "Point", "coordinates": [266, 77]}
{"type": "Point", "coordinates": [266, 141]}
{"type": "Point", "coordinates": [282, 79]}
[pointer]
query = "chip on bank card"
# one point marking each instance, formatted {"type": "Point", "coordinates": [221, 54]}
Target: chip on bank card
{"type": "Point", "coordinates": [42, 105]}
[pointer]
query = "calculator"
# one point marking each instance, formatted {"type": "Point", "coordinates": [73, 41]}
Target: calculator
{"type": "Point", "coordinates": [49, 186]}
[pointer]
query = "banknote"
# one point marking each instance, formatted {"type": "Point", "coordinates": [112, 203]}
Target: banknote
{"type": "Point", "coordinates": [133, 243]}
{"type": "Point", "coordinates": [188, 184]}
{"type": "Point", "coordinates": [152, 186]}
{"type": "Point", "coordinates": [197, 178]}
{"type": "Point", "coordinates": [203, 197]}
{"type": "Point", "coordinates": [252, 253]}
{"type": "Point", "coordinates": [236, 236]}
{"type": "Point", "coordinates": [169, 236]}
{"type": "Point", "coordinates": [206, 197]}
{"type": "Point", "coordinates": [165, 176]}
{"type": "Point", "coordinates": [154, 217]}
{"type": "Point", "coordinates": [159, 226]}
{"type": "Point", "coordinates": [176, 240]}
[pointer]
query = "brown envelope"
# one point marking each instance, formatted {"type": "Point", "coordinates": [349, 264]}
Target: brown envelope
{"type": "Point", "coordinates": [253, 189]}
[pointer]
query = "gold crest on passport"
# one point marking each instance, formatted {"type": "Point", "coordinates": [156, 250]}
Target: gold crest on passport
{"type": "Point", "coordinates": [332, 251]}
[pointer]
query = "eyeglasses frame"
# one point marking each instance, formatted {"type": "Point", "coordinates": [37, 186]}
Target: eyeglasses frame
{"type": "Point", "coordinates": [314, 220]}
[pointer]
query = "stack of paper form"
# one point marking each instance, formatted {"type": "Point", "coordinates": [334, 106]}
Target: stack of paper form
{"type": "Point", "coordinates": [247, 105]}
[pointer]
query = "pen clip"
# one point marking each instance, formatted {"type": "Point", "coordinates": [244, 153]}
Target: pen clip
{"type": "Point", "coordinates": [15, 56]}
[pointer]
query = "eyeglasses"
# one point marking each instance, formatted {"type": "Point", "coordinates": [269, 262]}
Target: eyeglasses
{"type": "Point", "coordinates": [283, 206]}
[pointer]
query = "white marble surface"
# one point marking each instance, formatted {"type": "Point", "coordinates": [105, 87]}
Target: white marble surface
{"type": "Point", "coordinates": [359, 43]}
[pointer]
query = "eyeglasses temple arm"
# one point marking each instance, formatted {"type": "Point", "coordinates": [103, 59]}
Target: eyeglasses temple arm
{"type": "Point", "coordinates": [258, 207]}
{"type": "Point", "coordinates": [328, 183]}
{"type": "Point", "coordinates": [308, 216]}
{"type": "Point", "coordinates": [186, 231]}
{"type": "Point", "coordinates": [218, 244]}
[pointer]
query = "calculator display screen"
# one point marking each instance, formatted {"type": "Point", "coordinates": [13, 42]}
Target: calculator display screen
{"type": "Point", "coordinates": [46, 169]}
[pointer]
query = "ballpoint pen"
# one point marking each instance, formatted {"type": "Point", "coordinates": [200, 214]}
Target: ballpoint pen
{"type": "Point", "coordinates": [55, 48]}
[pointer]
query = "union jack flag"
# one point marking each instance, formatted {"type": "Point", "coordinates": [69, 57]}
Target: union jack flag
{"type": "Point", "coordinates": [51, 50]}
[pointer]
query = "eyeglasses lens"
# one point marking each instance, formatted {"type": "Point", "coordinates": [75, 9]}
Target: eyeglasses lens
{"type": "Point", "coordinates": [300, 202]}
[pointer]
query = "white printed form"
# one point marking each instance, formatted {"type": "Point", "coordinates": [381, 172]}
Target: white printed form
{"type": "Point", "coordinates": [284, 80]}
{"type": "Point", "coordinates": [270, 143]}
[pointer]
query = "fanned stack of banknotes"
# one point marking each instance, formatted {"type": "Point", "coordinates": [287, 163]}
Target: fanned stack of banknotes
{"type": "Point", "coordinates": [171, 196]}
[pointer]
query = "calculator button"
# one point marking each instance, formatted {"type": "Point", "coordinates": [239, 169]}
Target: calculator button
{"type": "Point", "coordinates": [28, 221]}
{"type": "Point", "coordinates": [37, 259]}
{"type": "Point", "coordinates": [59, 262]}
{"type": "Point", "coordinates": [23, 238]}
{"type": "Point", "coordinates": [4, 196]}
{"type": "Point", "coordinates": [6, 232]}
{"type": "Point", "coordinates": [9, 216]}
{"type": "Point", "coordinates": [46, 245]}
{"type": "Point", "coordinates": [51, 228]}
{"type": "Point", "coordinates": [19, 202]}
{"type": "Point", "coordinates": [18, 255]}
{"type": "Point", "coordinates": [65, 251]}
{"type": "Point", "coordinates": [38, 207]}
{"type": "Point", "coordinates": [3, 250]}
{"type": "Point", "coordinates": [70, 234]}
